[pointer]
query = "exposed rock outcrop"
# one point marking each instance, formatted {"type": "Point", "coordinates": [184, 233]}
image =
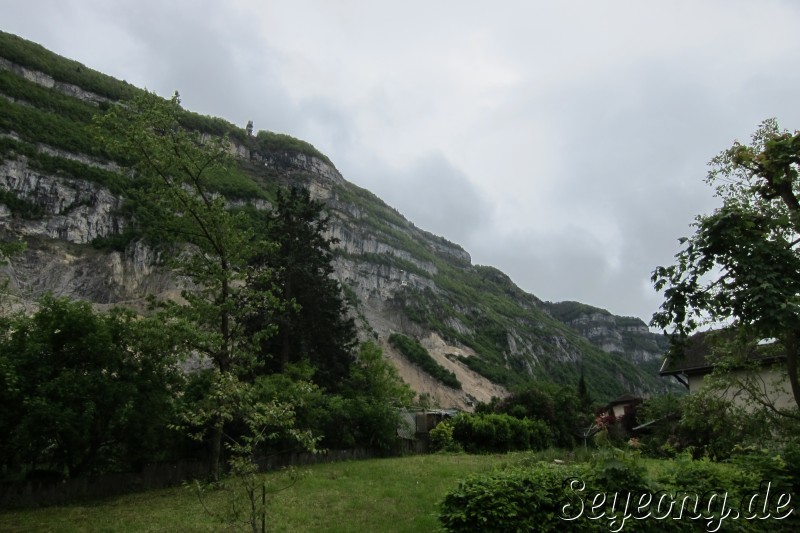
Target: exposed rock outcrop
{"type": "Point", "coordinates": [76, 211]}
{"type": "Point", "coordinates": [627, 336]}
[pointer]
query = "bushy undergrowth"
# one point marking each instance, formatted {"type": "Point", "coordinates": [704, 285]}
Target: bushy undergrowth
{"type": "Point", "coordinates": [489, 433]}
{"type": "Point", "coordinates": [618, 490]}
{"type": "Point", "coordinates": [515, 499]}
{"type": "Point", "coordinates": [440, 438]}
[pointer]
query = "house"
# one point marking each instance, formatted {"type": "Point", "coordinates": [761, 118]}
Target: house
{"type": "Point", "coordinates": [624, 405]}
{"type": "Point", "coordinates": [764, 371]}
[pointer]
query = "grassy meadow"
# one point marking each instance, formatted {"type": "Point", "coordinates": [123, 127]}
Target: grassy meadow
{"type": "Point", "coordinates": [397, 494]}
{"type": "Point", "coordinates": [400, 494]}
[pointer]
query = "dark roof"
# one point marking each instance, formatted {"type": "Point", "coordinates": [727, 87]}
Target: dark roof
{"type": "Point", "coordinates": [694, 356]}
{"type": "Point", "coordinates": [625, 398]}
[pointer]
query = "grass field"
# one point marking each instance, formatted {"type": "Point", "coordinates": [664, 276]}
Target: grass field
{"type": "Point", "coordinates": [392, 495]}
{"type": "Point", "coordinates": [400, 494]}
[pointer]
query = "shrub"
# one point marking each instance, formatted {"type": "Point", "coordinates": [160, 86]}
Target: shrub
{"type": "Point", "coordinates": [714, 426]}
{"type": "Point", "coordinates": [483, 433]}
{"type": "Point", "coordinates": [441, 438]}
{"type": "Point", "coordinates": [518, 499]}
{"type": "Point", "coordinates": [791, 454]}
{"type": "Point", "coordinates": [20, 207]}
{"type": "Point", "coordinates": [557, 407]}
{"type": "Point", "coordinates": [616, 471]}
{"type": "Point", "coordinates": [663, 436]}
{"type": "Point", "coordinates": [765, 464]}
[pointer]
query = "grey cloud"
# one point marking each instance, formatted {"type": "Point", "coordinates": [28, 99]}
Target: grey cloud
{"type": "Point", "coordinates": [431, 192]}
{"type": "Point", "coordinates": [578, 167]}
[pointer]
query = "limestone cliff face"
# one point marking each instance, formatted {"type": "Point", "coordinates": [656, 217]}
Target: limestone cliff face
{"type": "Point", "coordinates": [627, 336]}
{"type": "Point", "coordinates": [76, 211]}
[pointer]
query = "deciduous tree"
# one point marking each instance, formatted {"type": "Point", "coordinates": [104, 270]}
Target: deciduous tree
{"type": "Point", "coordinates": [741, 268]}
{"type": "Point", "coordinates": [215, 248]}
{"type": "Point", "coordinates": [84, 392]}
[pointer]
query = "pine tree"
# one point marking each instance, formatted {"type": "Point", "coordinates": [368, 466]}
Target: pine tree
{"type": "Point", "coordinates": [583, 393]}
{"type": "Point", "coordinates": [317, 327]}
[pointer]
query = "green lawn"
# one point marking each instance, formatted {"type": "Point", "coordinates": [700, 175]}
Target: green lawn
{"type": "Point", "coordinates": [397, 494]}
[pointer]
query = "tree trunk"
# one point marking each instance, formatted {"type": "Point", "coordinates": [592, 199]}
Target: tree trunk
{"type": "Point", "coordinates": [792, 348]}
{"type": "Point", "coordinates": [215, 452]}
{"type": "Point", "coordinates": [285, 335]}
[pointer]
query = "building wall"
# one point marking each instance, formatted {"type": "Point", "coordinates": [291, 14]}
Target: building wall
{"type": "Point", "coordinates": [772, 381]}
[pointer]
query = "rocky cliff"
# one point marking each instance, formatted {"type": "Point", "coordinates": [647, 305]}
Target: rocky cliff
{"type": "Point", "coordinates": [626, 336]}
{"type": "Point", "coordinates": [68, 202]}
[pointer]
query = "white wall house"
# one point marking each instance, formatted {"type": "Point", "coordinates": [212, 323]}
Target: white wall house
{"type": "Point", "coordinates": [764, 375]}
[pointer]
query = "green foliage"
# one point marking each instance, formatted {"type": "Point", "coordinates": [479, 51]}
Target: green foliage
{"type": "Point", "coordinates": [568, 311]}
{"type": "Point", "coordinates": [49, 100]}
{"type": "Point", "coordinates": [618, 471]}
{"type": "Point", "coordinates": [740, 266]}
{"type": "Point", "coordinates": [532, 403]}
{"type": "Point", "coordinates": [227, 289]}
{"type": "Point", "coordinates": [441, 438]}
{"type": "Point", "coordinates": [592, 496]}
{"type": "Point", "coordinates": [38, 126]}
{"type": "Point", "coordinates": [373, 376]}
{"type": "Point", "coordinates": [9, 248]}
{"type": "Point", "coordinates": [117, 242]}
{"type": "Point", "coordinates": [420, 356]}
{"type": "Point", "coordinates": [82, 392]}
{"type": "Point", "coordinates": [557, 407]}
{"type": "Point", "coordinates": [36, 57]}
{"type": "Point", "coordinates": [791, 457]}
{"type": "Point", "coordinates": [233, 183]}
{"type": "Point", "coordinates": [316, 327]}
{"type": "Point", "coordinates": [20, 207]}
{"type": "Point", "coordinates": [584, 398]}
{"type": "Point", "coordinates": [714, 426]}
{"type": "Point", "coordinates": [490, 433]}
{"type": "Point", "coordinates": [263, 421]}
{"type": "Point", "coordinates": [664, 436]}
{"type": "Point", "coordinates": [514, 499]}
{"type": "Point", "coordinates": [774, 463]}
{"type": "Point", "coordinates": [268, 141]}
{"type": "Point", "coordinates": [62, 167]}
{"type": "Point", "coordinates": [213, 126]}
{"type": "Point", "coordinates": [366, 413]}
{"type": "Point", "coordinates": [488, 370]}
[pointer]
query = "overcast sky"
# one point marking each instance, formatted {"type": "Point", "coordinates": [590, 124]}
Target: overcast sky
{"type": "Point", "coordinates": [563, 142]}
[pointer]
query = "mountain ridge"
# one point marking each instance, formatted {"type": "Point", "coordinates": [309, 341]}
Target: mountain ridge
{"type": "Point", "coordinates": [397, 277]}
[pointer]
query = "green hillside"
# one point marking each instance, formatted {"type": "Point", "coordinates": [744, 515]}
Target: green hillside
{"type": "Point", "coordinates": [515, 337]}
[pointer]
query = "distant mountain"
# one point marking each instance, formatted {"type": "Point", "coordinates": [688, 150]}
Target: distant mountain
{"type": "Point", "coordinates": [68, 200]}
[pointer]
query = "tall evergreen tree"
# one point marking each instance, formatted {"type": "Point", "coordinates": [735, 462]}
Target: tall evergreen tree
{"type": "Point", "coordinates": [317, 327]}
{"type": "Point", "coordinates": [583, 393]}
